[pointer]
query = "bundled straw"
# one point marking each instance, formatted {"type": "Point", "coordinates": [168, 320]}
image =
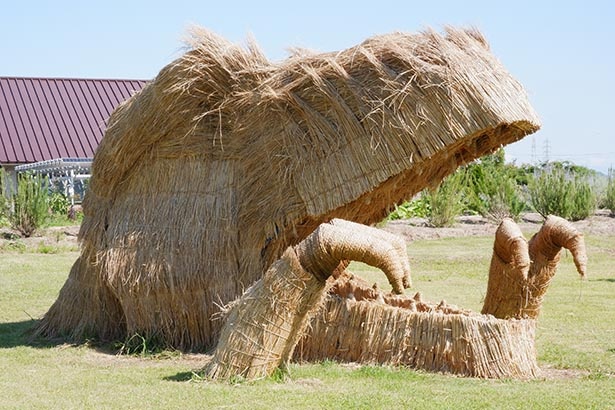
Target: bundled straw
{"type": "Point", "coordinates": [521, 273]}
{"type": "Point", "coordinates": [361, 324]}
{"type": "Point", "coordinates": [264, 325]}
{"type": "Point", "coordinates": [207, 175]}
{"type": "Point", "coordinates": [508, 273]}
{"type": "Point", "coordinates": [465, 344]}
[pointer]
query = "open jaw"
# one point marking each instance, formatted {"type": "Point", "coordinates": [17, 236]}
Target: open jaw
{"type": "Point", "coordinates": [312, 317]}
{"type": "Point", "coordinates": [374, 205]}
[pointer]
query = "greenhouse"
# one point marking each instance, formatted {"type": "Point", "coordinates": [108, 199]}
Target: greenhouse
{"type": "Point", "coordinates": [68, 176]}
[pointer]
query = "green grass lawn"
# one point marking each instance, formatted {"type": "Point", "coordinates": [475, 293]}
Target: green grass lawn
{"type": "Point", "coordinates": [575, 344]}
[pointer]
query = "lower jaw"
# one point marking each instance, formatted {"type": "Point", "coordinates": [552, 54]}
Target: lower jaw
{"type": "Point", "coordinates": [363, 325]}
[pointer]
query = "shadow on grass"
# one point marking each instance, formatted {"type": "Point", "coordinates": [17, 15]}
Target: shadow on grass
{"type": "Point", "coordinates": [14, 334]}
{"type": "Point", "coordinates": [17, 334]}
{"type": "Point", "coordinates": [611, 280]}
{"type": "Point", "coordinates": [181, 377]}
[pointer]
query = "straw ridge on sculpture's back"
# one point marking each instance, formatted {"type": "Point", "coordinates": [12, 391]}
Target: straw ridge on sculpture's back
{"type": "Point", "coordinates": [207, 175]}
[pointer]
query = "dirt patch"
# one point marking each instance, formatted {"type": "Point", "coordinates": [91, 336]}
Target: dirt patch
{"type": "Point", "coordinates": [551, 373]}
{"type": "Point", "coordinates": [49, 240]}
{"type": "Point", "coordinates": [600, 224]}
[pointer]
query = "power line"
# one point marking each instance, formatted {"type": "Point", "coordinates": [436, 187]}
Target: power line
{"type": "Point", "coordinates": [592, 154]}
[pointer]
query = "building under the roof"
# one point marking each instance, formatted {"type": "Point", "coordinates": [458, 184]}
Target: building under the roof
{"type": "Point", "coordinates": [55, 122]}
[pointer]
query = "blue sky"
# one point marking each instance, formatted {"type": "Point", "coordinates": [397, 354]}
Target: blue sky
{"type": "Point", "coordinates": [563, 52]}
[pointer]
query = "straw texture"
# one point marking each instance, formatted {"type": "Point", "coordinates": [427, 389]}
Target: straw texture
{"type": "Point", "coordinates": [263, 327]}
{"type": "Point", "coordinates": [521, 272]}
{"type": "Point", "coordinates": [338, 240]}
{"type": "Point", "coordinates": [440, 338]}
{"type": "Point", "coordinates": [362, 324]}
{"type": "Point", "coordinates": [508, 272]}
{"type": "Point", "coordinates": [207, 175]}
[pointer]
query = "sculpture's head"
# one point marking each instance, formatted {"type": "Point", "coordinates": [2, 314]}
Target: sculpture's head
{"type": "Point", "coordinates": [350, 134]}
{"type": "Point", "coordinates": [319, 136]}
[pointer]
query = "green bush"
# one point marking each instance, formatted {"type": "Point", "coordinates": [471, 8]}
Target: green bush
{"type": "Point", "coordinates": [492, 189]}
{"type": "Point", "coordinates": [30, 204]}
{"type": "Point", "coordinates": [556, 191]}
{"type": "Point", "coordinates": [446, 201]}
{"type": "Point", "coordinates": [583, 199]}
{"type": "Point", "coordinates": [496, 190]}
{"type": "Point", "coordinates": [58, 204]}
{"type": "Point", "coordinates": [609, 201]}
{"type": "Point", "coordinates": [416, 208]}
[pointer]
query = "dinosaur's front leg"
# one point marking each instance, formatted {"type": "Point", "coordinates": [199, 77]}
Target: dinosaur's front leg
{"type": "Point", "coordinates": [545, 249]}
{"type": "Point", "coordinates": [264, 325]}
{"type": "Point", "coordinates": [521, 272]}
{"type": "Point", "coordinates": [339, 240]}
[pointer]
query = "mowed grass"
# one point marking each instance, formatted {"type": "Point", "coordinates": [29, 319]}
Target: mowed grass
{"type": "Point", "coordinates": [575, 345]}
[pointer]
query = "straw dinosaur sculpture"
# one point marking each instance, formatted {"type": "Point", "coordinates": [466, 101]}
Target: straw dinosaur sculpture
{"type": "Point", "coordinates": [227, 166]}
{"type": "Point", "coordinates": [361, 324]}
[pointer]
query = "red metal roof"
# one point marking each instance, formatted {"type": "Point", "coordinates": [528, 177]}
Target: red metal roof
{"type": "Point", "coordinates": [47, 118]}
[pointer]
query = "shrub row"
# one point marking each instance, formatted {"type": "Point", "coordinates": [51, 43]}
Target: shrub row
{"type": "Point", "coordinates": [496, 190]}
